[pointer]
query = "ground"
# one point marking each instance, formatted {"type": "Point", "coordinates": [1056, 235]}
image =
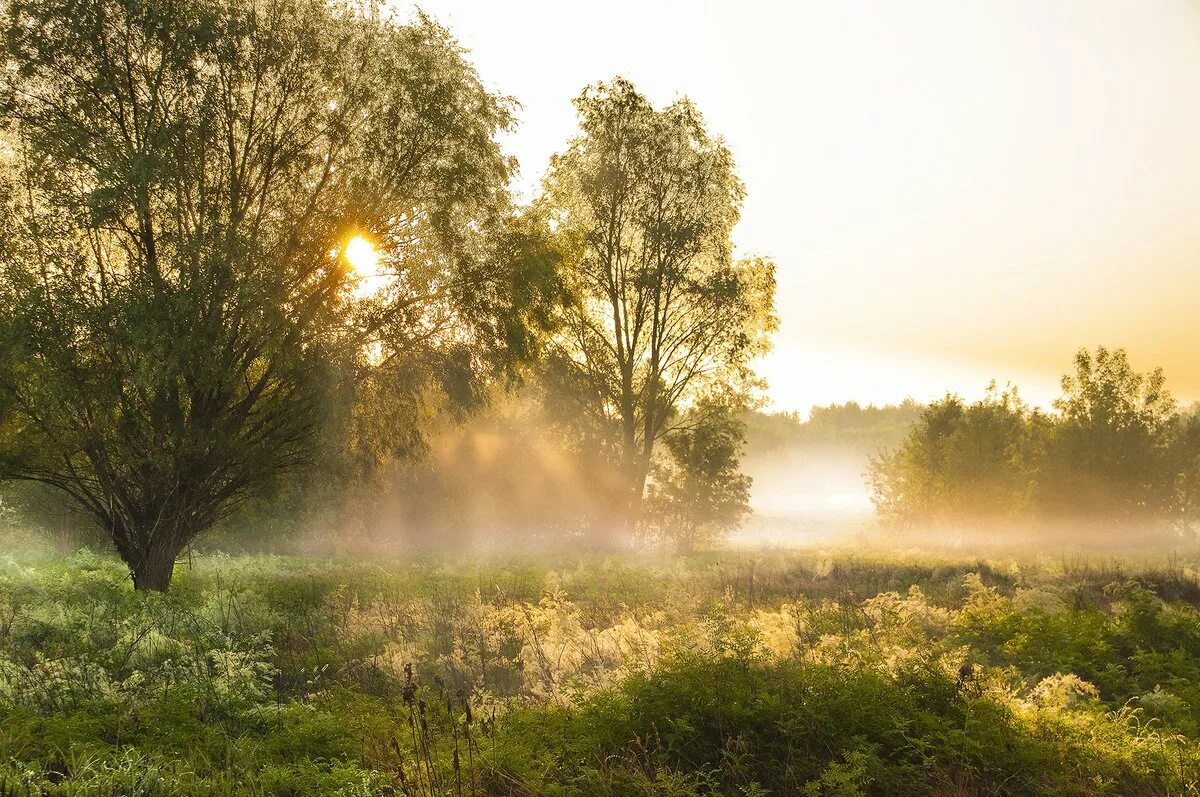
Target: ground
{"type": "Point", "coordinates": [741, 673]}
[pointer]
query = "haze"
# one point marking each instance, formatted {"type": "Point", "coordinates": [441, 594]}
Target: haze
{"type": "Point", "coordinates": [954, 192]}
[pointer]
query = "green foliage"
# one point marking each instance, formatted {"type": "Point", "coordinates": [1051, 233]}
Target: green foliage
{"type": "Point", "coordinates": [1115, 450]}
{"type": "Point", "coordinates": [180, 332]}
{"type": "Point", "coordinates": [959, 460]}
{"type": "Point", "coordinates": [1185, 465]}
{"type": "Point", "coordinates": [733, 674]}
{"type": "Point", "coordinates": [699, 495]}
{"type": "Point", "coordinates": [733, 725]}
{"type": "Point", "coordinates": [1108, 453]}
{"type": "Point", "coordinates": [660, 313]}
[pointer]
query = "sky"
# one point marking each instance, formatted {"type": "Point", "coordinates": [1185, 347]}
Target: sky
{"type": "Point", "coordinates": [953, 192]}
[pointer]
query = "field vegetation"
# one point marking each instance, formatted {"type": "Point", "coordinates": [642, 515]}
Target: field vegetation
{"type": "Point", "coordinates": [803, 673]}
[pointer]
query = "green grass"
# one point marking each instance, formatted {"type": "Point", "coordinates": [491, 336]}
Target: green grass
{"type": "Point", "coordinates": [739, 673]}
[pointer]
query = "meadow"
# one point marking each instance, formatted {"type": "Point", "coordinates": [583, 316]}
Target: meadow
{"type": "Point", "coordinates": [741, 673]}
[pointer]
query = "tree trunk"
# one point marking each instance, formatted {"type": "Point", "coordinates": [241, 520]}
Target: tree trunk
{"type": "Point", "coordinates": [154, 568]}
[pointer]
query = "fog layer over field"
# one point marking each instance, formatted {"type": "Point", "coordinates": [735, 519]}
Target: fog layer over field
{"type": "Point", "coordinates": [805, 496]}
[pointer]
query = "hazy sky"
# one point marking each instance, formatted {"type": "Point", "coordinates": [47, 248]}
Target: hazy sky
{"type": "Point", "coordinates": [953, 191]}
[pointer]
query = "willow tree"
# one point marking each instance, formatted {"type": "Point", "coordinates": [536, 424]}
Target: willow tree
{"type": "Point", "coordinates": [177, 320]}
{"type": "Point", "coordinates": [661, 312]}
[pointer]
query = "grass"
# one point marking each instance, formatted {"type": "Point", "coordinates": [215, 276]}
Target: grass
{"type": "Point", "coordinates": [739, 673]}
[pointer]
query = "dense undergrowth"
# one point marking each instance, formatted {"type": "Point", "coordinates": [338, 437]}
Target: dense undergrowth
{"type": "Point", "coordinates": [741, 674]}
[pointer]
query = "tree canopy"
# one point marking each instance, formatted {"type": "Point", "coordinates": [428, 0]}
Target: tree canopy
{"type": "Point", "coordinates": [660, 312]}
{"type": "Point", "coordinates": [180, 177]}
{"type": "Point", "coordinates": [1114, 450]}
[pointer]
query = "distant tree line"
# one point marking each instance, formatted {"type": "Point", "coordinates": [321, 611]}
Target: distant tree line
{"type": "Point", "coordinates": [853, 426]}
{"type": "Point", "coordinates": [1115, 449]}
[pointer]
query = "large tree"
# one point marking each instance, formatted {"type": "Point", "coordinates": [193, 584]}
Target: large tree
{"type": "Point", "coordinates": [177, 321]}
{"type": "Point", "coordinates": [661, 313]}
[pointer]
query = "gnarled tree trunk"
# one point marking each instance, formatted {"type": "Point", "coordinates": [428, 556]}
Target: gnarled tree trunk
{"type": "Point", "coordinates": [154, 570]}
{"type": "Point", "coordinates": [151, 562]}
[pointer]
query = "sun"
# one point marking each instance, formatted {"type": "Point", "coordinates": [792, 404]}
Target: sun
{"type": "Point", "coordinates": [363, 258]}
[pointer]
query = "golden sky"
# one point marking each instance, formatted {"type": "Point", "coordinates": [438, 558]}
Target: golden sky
{"type": "Point", "coordinates": [953, 191]}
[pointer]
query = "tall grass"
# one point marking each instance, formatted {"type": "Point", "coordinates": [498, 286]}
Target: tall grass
{"type": "Point", "coordinates": [715, 674]}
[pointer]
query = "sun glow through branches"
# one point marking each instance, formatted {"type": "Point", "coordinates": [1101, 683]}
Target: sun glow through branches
{"type": "Point", "coordinates": [363, 258]}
